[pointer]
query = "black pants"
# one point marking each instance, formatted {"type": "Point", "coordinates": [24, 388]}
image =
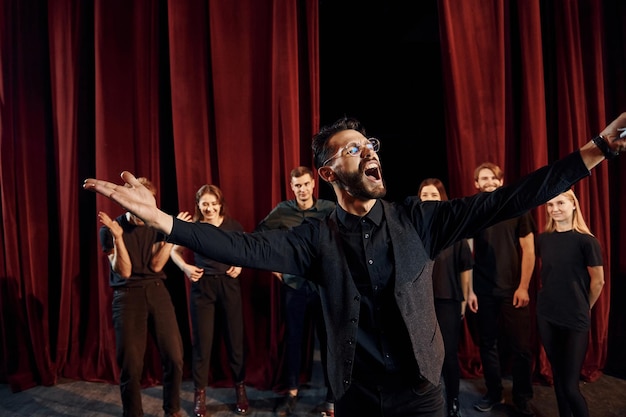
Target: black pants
{"type": "Point", "coordinates": [210, 293]}
{"type": "Point", "coordinates": [566, 350]}
{"type": "Point", "coordinates": [299, 305]}
{"type": "Point", "coordinates": [137, 311]}
{"type": "Point", "coordinates": [495, 313]}
{"type": "Point", "coordinates": [389, 398]}
{"type": "Point", "coordinates": [449, 317]}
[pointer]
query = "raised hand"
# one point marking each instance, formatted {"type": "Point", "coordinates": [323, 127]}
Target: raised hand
{"type": "Point", "coordinates": [184, 216]}
{"type": "Point", "coordinates": [113, 225]}
{"type": "Point", "coordinates": [133, 197]}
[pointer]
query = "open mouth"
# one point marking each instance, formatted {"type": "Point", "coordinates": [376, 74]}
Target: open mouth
{"type": "Point", "coordinates": [372, 171]}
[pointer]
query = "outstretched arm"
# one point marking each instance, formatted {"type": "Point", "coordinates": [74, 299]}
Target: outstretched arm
{"type": "Point", "coordinates": [137, 199]}
{"type": "Point", "coordinates": [134, 197]}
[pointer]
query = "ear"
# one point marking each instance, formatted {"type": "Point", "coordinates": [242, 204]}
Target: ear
{"type": "Point", "coordinates": [327, 174]}
{"type": "Point", "coordinates": [476, 185]}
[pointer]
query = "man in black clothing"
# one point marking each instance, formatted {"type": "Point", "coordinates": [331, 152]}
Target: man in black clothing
{"type": "Point", "coordinates": [372, 262]}
{"type": "Point", "coordinates": [504, 256]}
{"type": "Point", "coordinates": [299, 296]}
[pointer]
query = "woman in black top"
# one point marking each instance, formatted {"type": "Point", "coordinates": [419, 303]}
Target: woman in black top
{"type": "Point", "coordinates": [214, 286]}
{"type": "Point", "coordinates": [572, 278]}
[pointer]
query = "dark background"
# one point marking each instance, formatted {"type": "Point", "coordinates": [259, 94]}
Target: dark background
{"type": "Point", "coordinates": [381, 63]}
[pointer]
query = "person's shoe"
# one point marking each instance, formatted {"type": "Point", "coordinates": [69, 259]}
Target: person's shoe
{"type": "Point", "coordinates": [174, 414]}
{"type": "Point", "coordinates": [454, 409]}
{"type": "Point", "coordinates": [199, 403]}
{"type": "Point", "coordinates": [287, 405]}
{"type": "Point", "coordinates": [523, 409]}
{"type": "Point", "coordinates": [324, 409]}
{"type": "Point", "coordinates": [242, 406]}
{"type": "Point", "coordinates": [330, 409]}
{"type": "Point", "coordinates": [487, 402]}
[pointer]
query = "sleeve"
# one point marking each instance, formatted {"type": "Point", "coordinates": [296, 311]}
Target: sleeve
{"type": "Point", "coordinates": [271, 221]}
{"type": "Point", "coordinates": [526, 225]}
{"type": "Point", "coordinates": [106, 239]}
{"type": "Point", "coordinates": [441, 223]}
{"type": "Point", "coordinates": [538, 242]}
{"type": "Point", "coordinates": [291, 251]}
{"type": "Point", "coordinates": [465, 257]}
{"type": "Point", "coordinates": [593, 252]}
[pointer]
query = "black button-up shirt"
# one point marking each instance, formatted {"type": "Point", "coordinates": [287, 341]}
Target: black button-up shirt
{"type": "Point", "coordinates": [383, 344]}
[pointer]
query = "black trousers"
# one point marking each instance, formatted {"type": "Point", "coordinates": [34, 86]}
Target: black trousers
{"type": "Point", "coordinates": [208, 295]}
{"type": "Point", "coordinates": [495, 313]}
{"type": "Point", "coordinates": [566, 349]}
{"type": "Point", "coordinates": [449, 317]}
{"type": "Point", "coordinates": [389, 397]}
{"type": "Point", "coordinates": [299, 305]}
{"type": "Point", "coordinates": [138, 311]}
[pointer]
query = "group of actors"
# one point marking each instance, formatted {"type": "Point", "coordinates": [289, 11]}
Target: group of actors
{"type": "Point", "coordinates": [389, 282]}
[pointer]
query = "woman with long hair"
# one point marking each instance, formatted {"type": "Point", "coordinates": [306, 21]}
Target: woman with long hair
{"type": "Point", "coordinates": [572, 277]}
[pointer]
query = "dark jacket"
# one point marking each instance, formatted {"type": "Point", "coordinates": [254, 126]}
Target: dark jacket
{"type": "Point", "coordinates": [418, 230]}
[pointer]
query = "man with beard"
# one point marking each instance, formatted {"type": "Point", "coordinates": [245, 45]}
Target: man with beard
{"type": "Point", "coordinates": [372, 261]}
{"type": "Point", "coordinates": [504, 259]}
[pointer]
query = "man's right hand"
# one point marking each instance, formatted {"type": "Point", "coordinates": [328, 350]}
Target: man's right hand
{"type": "Point", "coordinates": [135, 198]}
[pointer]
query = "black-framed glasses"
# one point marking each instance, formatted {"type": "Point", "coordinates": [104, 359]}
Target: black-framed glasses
{"type": "Point", "coordinates": [354, 149]}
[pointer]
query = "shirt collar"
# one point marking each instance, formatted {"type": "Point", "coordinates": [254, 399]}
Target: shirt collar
{"type": "Point", "coordinates": [351, 222]}
{"type": "Point", "coordinates": [294, 204]}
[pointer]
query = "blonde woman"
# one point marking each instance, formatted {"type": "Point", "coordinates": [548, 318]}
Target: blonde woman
{"type": "Point", "coordinates": [572, 278]}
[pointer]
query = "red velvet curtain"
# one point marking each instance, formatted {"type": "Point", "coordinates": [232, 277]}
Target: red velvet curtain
{"type": "Point", "coordinates": [184, 93]}
{"type": "Point", "coordinates": [195, 91]}
{"type": "Point", "coordinates": [495, 70]}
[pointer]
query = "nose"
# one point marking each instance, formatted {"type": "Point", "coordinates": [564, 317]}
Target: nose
{"type": "Point", "coordinates": [366, 150]}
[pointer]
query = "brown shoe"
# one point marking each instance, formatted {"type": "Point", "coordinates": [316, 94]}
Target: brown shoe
{"type": "Point", "coordinates": [199, 403]}
{"type": "Point", "coordinates": [242, 406]}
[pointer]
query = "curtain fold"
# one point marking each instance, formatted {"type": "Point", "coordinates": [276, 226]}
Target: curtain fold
{"type": "Point", "coordinates": [26, 183]}
{"type": "Point", "coordinates": [184, 93]}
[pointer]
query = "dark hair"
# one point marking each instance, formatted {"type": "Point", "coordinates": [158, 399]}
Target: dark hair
{"type": "Point", "coordinates": [438, 185]}
{"type": "Point", "coordinates": [297, 172]}
{"type": "Point", "coordinates": [209, 189]}
{"type": "Point", "coordinates": [320, 141]}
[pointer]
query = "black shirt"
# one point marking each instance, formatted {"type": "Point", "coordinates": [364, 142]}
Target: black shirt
{"type": "Point", "coordinates": [383, 344]}
{"type": "Point", "coordinates": [139, 241]}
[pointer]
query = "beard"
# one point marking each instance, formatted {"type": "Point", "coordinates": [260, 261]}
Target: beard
{"type": "Point", "coordinates": [353, 183]}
